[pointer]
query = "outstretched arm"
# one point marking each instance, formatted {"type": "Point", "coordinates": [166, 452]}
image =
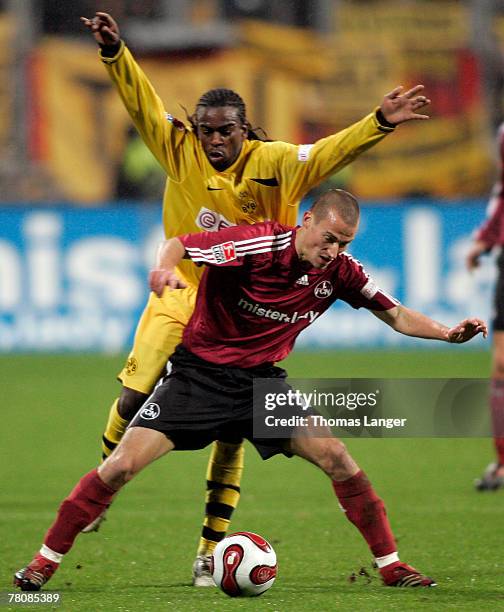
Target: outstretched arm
{"type": "Point", "coordinates": [413, 323]}
{"type": "Point", "coordinates": [164, 138]}
{"type": "Point", "coordinates": [332, 153]}
{"type": "Point", "coordinates": [170, 254]}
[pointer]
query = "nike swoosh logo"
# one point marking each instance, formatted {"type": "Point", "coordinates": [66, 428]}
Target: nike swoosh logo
{"type": "Point", "coordinates": [269, 182]}
{"type": "Point", "coordinates": [214, 188]}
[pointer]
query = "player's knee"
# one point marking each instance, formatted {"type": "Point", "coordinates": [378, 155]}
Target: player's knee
{"type": "Point", "coordinates": [130, 402]}
{"type": "Point", "coordinates": [117, 470]}
{"type": "Point", "coordinates": [334, 458]}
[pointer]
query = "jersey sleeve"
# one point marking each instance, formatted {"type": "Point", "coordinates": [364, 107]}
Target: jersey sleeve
{"type": "Point", "coordinates": [491, 232]}
{"type": "Point", "coordinates": [231, 245]}
{"type": "Point", "coordinates": [302, 167]}
{"type": "Point", "coordinates": [166, 137]}
{"type": "Point", "coordinates": [360, 290]}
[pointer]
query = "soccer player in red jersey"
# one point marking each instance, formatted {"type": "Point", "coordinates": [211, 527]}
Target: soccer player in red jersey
{"type": "Point", "coordinates": [263, 284]}
{"type": "Point", "coordinates": [488, 236]}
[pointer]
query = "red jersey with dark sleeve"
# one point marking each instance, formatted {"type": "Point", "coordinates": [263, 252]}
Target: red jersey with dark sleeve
{"type": "Point", "coordinates": [491, 231]}
{"type": "Point", "coordinates": [256, 295]}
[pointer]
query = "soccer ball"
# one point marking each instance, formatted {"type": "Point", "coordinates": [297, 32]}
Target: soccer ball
{"type": "Point", "coordinates": [244, 564]}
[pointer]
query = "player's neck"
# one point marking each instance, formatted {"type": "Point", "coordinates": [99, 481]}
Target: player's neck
{"type": "Point", "coordinates": [298, 245]}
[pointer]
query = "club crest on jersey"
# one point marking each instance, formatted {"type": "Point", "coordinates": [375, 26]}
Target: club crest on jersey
{"type": "Point", "coordinates": [211, 221]}
{"type": "Point", "coordinates": [303, 280]}
{"type": "Point", "coordinates": [131, 366]}
{"type": "Point", "coordinates": [224, 252]}
{"type": "Point", "coordinates": [323, 289]}
{"type": "Point", "coordinates": [247, 203]}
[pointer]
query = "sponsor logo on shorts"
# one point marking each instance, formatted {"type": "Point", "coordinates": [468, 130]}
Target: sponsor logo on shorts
{"type": "Point", "coordinates": [131, 366]}
{"type": "Point", "coordinates": [150, 411]}
{"type": "Point", "coordinates": [224, 252]}
{"type": "Point", "coordinates": [323, 289]}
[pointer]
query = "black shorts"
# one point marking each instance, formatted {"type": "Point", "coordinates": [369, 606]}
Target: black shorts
{"type": "Point", "coordinates": [198, 402]}
{"type": "Point", "coordinates": [498, 313]}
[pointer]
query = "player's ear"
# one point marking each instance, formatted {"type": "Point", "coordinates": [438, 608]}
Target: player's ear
{"type": "Point", "coordinates": [307, 218]}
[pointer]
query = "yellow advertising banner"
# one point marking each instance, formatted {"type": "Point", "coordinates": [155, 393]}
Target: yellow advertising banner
{"type": "Point", "coordinates": [298, 87]}
{"type": "Point", "coordinates": [374, 47]}
{"type": "Point", "coordinates": [412, 24]}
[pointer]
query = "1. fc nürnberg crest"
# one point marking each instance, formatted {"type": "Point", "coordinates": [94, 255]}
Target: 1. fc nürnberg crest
{"type": "Point", "coordinates": [323, 289]}
{"type": "Point", "coordinates": [150, 411]}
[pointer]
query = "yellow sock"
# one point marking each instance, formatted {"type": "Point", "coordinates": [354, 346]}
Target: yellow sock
{"type": "Point", "coordinates": [116, 426]}
{"type": "Point", "coordinates": [224, 473]}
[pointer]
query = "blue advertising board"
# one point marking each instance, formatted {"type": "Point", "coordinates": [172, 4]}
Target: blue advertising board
{"type": "Point", "coordinates": [74, 279]}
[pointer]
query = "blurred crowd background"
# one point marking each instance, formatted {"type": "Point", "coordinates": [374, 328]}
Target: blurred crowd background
{"type": "Point", "coordinates": [305, 68]}
{"type": "Point", "coordinates": [80, 194]}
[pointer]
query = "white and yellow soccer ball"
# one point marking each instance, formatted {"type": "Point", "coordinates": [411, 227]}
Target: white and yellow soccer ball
{"type": "Point", "coordinates": [244, 564]}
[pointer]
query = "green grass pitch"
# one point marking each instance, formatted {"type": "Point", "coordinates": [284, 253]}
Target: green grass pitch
{"type": "Point", "coordinates": [54, 408]}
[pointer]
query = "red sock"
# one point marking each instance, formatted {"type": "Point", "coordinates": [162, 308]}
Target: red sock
{"type": "Point", "coordinates": [367, 512]}
{"type": "Point", "coordinates": [497, 412]}
{"type": "Point", "coordinates": [90, 497]}
{"type": "Point", "coordinates": [499, 447]}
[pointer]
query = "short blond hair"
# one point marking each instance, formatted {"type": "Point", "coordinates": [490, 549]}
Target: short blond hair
{"type": "Point", "coordinates": [339, 200]}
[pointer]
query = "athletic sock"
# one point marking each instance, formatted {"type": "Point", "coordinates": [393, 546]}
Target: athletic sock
{"type": "Point", "coordinates": [116, 426]}
{"type": "Point", "coordinates": [89, 498]}
{"type": "Point", "coordinates": [367, 512]}
{"type": "Point", "coordinates": [224, 473]}
{"type": "Point", "coordinates": [499, 448]}
{"type": "Point", "coordinates": [497, 413]}
{"type": "Point", "coordinates": [50, 554]}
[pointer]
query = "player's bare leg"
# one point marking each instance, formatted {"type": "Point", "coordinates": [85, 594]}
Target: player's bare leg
{"type": "Point", "coordinates": [121, 412]}
{"type": "Point", "coordinates": [361, 504]}
{"type": "Point", "coordinates": [493, 476]}
{"type": "Point", "coordinates": [123, 409]}
{"type": "Point", "coordinates": [90, 497]}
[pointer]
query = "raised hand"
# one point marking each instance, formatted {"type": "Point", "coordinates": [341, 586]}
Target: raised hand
{"type": "Point", "coordinates": [398, 106]}
{"type": "Point", "coordinates": [467, 329]}
{"type": "Point", "coordinates": [104, 29]}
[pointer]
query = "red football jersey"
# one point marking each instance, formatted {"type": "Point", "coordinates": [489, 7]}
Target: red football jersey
{"type": "Point", "coordinates": [256, 295]}
{"type": "Point", "coordinates": [491, 231]}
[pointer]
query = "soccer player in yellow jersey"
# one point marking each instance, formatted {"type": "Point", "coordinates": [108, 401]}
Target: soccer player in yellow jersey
{"type": "Point", "coordinates": [218, 174]}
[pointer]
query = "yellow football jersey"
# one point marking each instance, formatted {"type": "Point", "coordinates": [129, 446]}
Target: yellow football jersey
{"type": "Point", "coordinates": [267, 181]}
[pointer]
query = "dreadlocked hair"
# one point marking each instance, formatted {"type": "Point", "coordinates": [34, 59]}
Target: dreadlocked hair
{"type": "Point", "coordinates": [215, 98]}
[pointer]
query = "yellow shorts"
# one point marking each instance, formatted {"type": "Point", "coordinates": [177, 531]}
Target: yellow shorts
{"type": "Point", "coordinates": [158, 332]}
